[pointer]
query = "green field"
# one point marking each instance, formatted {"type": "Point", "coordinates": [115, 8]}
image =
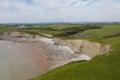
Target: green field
{"type": "Point", "coordinates": [104, 67]}
{"type": "Point", "coordinates": [59, 30]}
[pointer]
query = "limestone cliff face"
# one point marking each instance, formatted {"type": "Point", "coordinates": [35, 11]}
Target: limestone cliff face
{"type": "Point", "coordinates": [16, 35]}
{"type": "Point", "coordinates": [91, 49]}
{"type": "Point", "coordinates": [78, 46]}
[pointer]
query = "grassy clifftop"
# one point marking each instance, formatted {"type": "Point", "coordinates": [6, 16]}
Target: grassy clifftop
{"type": "Point", "coordinates": [104, 67]}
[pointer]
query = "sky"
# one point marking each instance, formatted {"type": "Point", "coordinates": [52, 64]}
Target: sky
{"type": "Point", "coordinates": [38, 11]}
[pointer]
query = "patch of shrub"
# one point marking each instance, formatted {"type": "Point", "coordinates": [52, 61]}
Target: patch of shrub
{"type": "Point", "coordinates": [74, 30]}
{"type": "Point", "coordinates": [112, 35]}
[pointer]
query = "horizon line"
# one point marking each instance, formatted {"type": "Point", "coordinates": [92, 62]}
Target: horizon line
{"type": "Point", "coordinates": [59, 22]}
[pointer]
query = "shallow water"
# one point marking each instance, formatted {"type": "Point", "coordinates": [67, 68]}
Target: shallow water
{"type": "Point", "coordinates": [17, 62]}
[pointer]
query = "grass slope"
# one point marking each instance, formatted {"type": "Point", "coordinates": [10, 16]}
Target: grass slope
{"type": "Point", "coordinates": [104, 67]}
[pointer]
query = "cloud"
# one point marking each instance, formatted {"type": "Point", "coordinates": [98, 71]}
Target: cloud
{"type": "Point", "coordinates": [82, 1]}
{"type": "Point", "coordinates": [59, 10]}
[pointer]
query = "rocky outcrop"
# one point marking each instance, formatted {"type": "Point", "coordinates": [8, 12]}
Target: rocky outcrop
{"type": "Point", "coordinates": [64, 51]}
{"type": "Point", "coordinates": [16, 35]}
{"type": "Point", "coordinates": [91, 49]}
